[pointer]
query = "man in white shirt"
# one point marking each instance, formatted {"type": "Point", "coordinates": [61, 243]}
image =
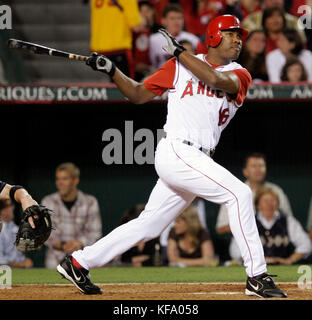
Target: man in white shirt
{"type": "Point", "coordinates": [173, 21]}
{"type": "Point", "coordinates": [254, 171]}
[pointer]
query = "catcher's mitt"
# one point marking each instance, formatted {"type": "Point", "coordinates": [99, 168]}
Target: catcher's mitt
{"type": "Point", "coordinates": [29, 239]}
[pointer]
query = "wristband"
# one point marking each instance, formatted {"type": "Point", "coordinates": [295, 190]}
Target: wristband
{"type": "Point", "coordinates": [179, 50]}
{"type": "Point", "coordinates": [12, 192]}
{"type": "Point", "coordinates": [2, 185]}
{"type": "Point", "coordinates": [112, 71]}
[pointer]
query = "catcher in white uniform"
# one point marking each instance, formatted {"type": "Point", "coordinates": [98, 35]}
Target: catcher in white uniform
{"type": "Point", "coordinates": [205, 92]}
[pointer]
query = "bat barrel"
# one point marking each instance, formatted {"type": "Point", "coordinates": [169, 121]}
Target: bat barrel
{"type": "Point", "coordinates": [38, 49]}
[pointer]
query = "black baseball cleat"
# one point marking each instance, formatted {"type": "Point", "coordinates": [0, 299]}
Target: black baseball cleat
{"type": "Point", "coordinates": [78, 276]}
{"type": "Point", "coordinates": [263, 286]}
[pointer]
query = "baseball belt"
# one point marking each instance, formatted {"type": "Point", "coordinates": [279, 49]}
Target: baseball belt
{"type": "Point", "coordinates": [208, 152]}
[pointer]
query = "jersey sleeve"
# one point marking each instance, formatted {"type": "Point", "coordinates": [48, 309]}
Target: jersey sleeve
{"type": "Point", "coordinates": [162, 79]}
{"type": "Point", "coordinates": [244, 83]}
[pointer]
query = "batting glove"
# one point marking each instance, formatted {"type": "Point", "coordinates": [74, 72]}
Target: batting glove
{"type": "Point", "coordinates": [100, 63]}
{"type": "Point", "coordinates": [173, 48]}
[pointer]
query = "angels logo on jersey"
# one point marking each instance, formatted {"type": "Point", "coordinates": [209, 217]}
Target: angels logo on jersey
{"type": "Point", "coordinates": [203, 89]}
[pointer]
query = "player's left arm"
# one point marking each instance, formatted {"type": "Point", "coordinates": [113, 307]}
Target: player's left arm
{"type": "Point", "coordinates": [225, 81]}
{"type": "Point", "coordinates": [230, 82]}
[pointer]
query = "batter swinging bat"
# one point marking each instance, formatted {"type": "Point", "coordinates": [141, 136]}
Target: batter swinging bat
{"type": "Point", "coordinates": [38, 49]}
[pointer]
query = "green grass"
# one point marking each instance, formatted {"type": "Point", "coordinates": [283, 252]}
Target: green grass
{"type": "Point", "coordinates": [155, 274]}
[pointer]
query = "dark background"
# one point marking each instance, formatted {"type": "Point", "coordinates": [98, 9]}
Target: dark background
{"type": "Point", "coordinates": [36, 138]}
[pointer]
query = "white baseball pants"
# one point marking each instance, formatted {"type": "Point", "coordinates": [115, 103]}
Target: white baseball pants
{"type": "Point", "coordinates": [184, 173]}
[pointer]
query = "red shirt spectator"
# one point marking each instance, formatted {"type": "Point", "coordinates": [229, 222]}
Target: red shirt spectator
{"type": "Point", "coordinates": [273, 23]}
{"type": "Point", "coordinates": [159, 6]}
{"type": "Point", "coordinates": [247, 7]}
{"type": "Point", "coordinates": [197, 14]}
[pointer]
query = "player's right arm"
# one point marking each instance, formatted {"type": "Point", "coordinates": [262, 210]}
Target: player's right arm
{"type": "Point", "coordinates": [136, 92]}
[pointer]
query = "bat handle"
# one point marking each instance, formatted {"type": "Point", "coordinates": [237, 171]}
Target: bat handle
{"type": "Point", "coordinates": [77, 57]}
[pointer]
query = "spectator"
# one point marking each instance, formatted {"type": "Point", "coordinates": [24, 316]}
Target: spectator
{"type": "Point", "coordinates": [173, 21]}
{"type": "Point", "coordinates": [294, 71]}
{"type": "Point", "coordinates": [254, 170]}
{"type": "Point", "coordinates": [199, 205]}
{"type": "Point", "coordinates": [198, 13]}
{"type": "Point", "coordinates": [148, 14]}
{"type": "Point", "coordinates": [283, 238]}
{"type": "Point", "coordinates": [233, 7]}
{"type": "Point", "coordinates": [252, 56]}
{"type": "Point", "coordinates": [9, 255]}
{"type": "Point", "coordinates": [254, 20]}
{"type": "Point", "coordinates": [159, 6]}
{"type": "Point", "coordinates": [289, 46]}
{"type": "Point", "coordinates": [112, 24]}
{"type": "Point", "coordinates": [273, 24]}
{"type": "Point", "coordinates": [189, 244]}
{"type": "Point", "coordinates": [77, 218]}
{"type": "Point", "coordinates": [144, 253]}
{"type": "Point", "coordinates": [242, 8]}
{"type": "Point", "coordinates": [309, 223]}
{"type": "Point", "coordinates": [141, 41]}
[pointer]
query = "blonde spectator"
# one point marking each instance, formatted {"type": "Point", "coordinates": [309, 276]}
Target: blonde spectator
{"type": "Point", "coordinates": [77, 218]}
{"type": "Point", "coordinates": [283, 238]}
{"type": "Point", "coordinates": [189, 244]}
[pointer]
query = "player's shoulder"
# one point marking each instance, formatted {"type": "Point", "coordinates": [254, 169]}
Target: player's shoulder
{"type": "Point", "coordinates": [234, 66]}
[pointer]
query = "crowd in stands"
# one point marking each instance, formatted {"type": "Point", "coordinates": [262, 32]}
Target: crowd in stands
{"type": "Point", "coordinates": [277, 48]}
{"type": "Point", "coordinates": [186, 242]}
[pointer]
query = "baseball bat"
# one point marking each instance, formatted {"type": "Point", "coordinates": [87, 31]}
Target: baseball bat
{"type": "Point", "coordinates": [38, 49]}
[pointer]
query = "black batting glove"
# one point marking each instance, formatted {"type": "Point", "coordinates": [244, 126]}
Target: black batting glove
{"type": "Point", "coordinates": [100, 63]}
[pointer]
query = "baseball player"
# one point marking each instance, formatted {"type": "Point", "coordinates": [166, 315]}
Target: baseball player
{"type": "Point", "coordinates": [205, 92]}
